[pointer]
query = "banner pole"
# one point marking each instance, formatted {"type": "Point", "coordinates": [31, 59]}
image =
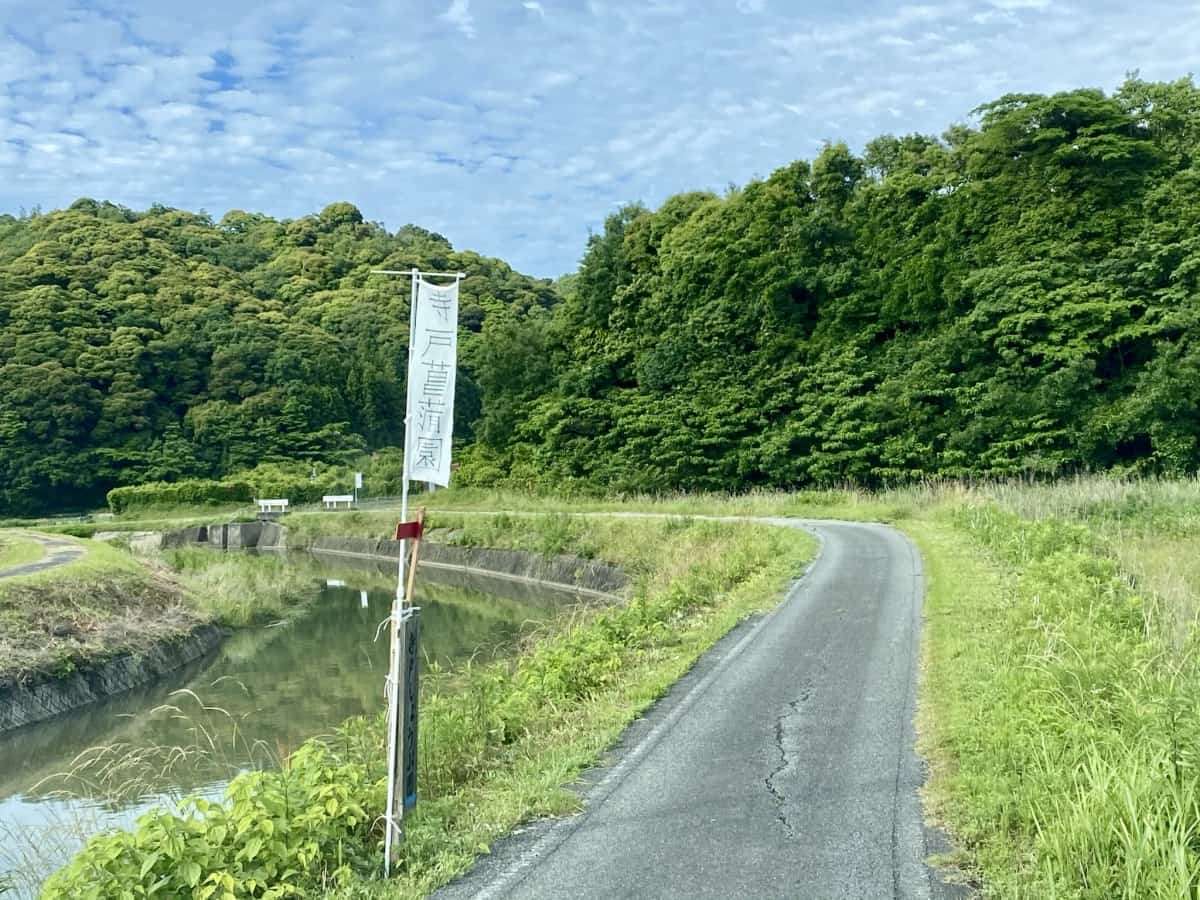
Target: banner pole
{"type": "Point", "coordinates": [393, 816]}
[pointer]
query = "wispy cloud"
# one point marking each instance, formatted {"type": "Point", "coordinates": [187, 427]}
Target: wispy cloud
{"type": "Point", "coordinates": [518, 141]}
{"type": "Point", "coordinates": [459, 15]}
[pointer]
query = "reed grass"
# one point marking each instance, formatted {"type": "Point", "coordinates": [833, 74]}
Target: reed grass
{"type": "Point", "coordinates": [109, 785]}
{"type": "Point", "coordinates": [238, 589]}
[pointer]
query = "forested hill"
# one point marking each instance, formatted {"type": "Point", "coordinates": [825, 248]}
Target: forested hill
{"type": "Point", "coordinates": [162, 345]}
{"type": "Point", "coordinates": [1020, 296]}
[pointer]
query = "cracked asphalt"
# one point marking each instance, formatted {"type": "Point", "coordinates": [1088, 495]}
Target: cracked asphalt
{"type": "Point", "coordinates": [782, 765]}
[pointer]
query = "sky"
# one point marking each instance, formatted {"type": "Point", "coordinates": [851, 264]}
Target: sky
{"type": "Point", "coordinates": [513, 127]}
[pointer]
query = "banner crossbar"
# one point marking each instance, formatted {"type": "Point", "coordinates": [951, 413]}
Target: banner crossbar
{"type": "Point", "coordinates": [459, 275]}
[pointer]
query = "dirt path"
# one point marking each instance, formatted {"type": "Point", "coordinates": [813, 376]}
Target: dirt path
{"type": "Point", "coordinates": [59, 552]}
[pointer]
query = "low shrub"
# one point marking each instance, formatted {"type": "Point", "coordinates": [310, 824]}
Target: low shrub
{"type": "Point", "coordinates": [288, 833]}
{"type": "Point", "coordinates": [194, 492]}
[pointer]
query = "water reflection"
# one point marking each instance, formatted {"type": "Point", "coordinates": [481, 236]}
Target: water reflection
{"type": "Point", "coordinates": [262, 693]}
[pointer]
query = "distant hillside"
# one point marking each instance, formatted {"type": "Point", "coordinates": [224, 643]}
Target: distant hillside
{"type": "Point", "coordinates": [159, 345]}
{"type": "Point", "coordinates": [1018, 297]}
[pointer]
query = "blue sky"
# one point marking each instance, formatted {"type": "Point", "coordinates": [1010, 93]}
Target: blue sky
{"type": "Point", "coordinates": [513, 126]}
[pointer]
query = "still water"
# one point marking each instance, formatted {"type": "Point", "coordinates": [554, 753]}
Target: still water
{"type": "Point", "coordinates": [256, 698]}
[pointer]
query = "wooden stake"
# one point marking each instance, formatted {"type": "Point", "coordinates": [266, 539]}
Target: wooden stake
{"type": "Point", "coordinates": [412, 558]}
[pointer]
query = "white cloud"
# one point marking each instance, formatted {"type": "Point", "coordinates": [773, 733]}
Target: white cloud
{"type": "Point", "coordinates": [459, 15]}
{"type": "Point", "coordinates": [513, 144]}
{"type": "Point", "coordinates": [1020, 4]}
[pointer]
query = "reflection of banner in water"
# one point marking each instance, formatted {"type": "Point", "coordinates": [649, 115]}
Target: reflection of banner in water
{"type": "Point", "coordinates": [431, 375]}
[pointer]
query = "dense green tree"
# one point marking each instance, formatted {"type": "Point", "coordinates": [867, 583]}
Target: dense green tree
{"type": "Point", "coordinates": [1022, 296]}
{"type": "Point", "coordinates": [1017, 296]}
{"type": "Point", "coordinates": [160, 346]}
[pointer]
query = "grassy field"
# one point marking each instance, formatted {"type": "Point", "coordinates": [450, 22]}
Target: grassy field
{"type": "Point", "coordinates": [17, 550]}
{"type": "Point", "coordinates": [97, 605]}
{"type": "Point", "coordinates": [1057, 706]}
{"type": "Point", "coordinates": [158, 518]}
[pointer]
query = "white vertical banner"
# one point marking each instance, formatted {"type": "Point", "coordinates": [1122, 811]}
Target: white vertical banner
{"type": "Point", "coordinates": [431, 374]}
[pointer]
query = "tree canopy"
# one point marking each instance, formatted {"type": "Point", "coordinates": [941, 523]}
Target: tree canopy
{"type": "Point", "coordinates": [1016, 297]}
{"type": "Point", "coordinates": [1019, 296]}
{"type": "Point", "coordinates": [159, 345]}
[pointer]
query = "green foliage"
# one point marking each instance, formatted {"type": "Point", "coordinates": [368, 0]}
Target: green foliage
{"type": "Point", "coordinates": [298, 482]}
{"type": "Point", "coordinates": [497, 740]}
{"type": "Point", "coordinates": [1070, 725]}
{"type": "Point", "coordinates": [195, 492]}
{"type": "Point", "coordinates": [290, 833]}
{"type": "Point", "coordinates": [1018, 297]}
{"type": "Point", "coordinates": [160, 346]}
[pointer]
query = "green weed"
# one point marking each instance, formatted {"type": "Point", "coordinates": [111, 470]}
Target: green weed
{"type": "Point", "coordinates": [495, 751]}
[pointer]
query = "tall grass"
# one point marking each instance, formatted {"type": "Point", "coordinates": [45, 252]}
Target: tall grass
{"type": "Point", "coordinates": [1150, 527]}
{"type": "Point", "coordinates": [1062, 717]}
{"type": "Point", "coordinates": [497, 752]}
{"type": "Point", "coordinates": [241, 588]}
{"type": "Point", "coordinates": [108, 786]}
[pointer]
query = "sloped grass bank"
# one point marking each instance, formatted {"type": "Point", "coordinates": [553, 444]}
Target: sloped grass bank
{"type": "Point", "coordinates": [499, 740]}
{"type": "Point", "coordinates": [1062, 724]}
{"type": "Point", "coordinates": [85, 611]}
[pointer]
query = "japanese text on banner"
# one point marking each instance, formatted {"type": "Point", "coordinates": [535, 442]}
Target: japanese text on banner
{"type": "Point", "coordinates": [431, 382]}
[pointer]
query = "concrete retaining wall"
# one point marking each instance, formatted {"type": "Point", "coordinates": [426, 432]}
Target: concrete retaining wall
{"type": "Point", "coordinates": [233, 536]}
{"type": "Point", "coordinates": [582, 575]}
{"type": "Point", "coordinates": [47, 695]}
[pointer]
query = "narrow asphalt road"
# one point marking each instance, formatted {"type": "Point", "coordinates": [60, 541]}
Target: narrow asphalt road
{"type": "Point", "coordinates": [59, 551]}
{"type": "Point", "coordinates": [782, 766]}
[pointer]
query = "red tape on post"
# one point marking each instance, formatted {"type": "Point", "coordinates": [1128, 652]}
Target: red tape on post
{"type": "Point", "coordinates": [409, 531]}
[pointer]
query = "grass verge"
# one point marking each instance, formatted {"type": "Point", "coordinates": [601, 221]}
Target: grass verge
{"type": "Point", "coordinates": [101, 604]}
{"type": "Point", "coordinates": [495, 753]}
{"type": "Point", "coordinates": [1058, 716]}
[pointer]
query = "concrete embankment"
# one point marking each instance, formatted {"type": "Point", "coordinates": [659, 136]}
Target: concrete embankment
{"type": "Point", "coordinates": [47, 694]}
{"type": "Point", "coordinates": [584, 576]}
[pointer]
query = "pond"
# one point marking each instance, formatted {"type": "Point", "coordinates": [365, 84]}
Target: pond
{"type": "Point", "coordinates": [247, 705]}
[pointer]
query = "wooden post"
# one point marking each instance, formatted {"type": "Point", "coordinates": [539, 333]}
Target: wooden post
{"type": "Point", "coordinates": [413, 555]}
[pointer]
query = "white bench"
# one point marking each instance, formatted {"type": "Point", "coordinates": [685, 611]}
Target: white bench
{"type": "Point", "coordinates": [269, 507]}
{"type": "Point", "coordinates": [338, 501]}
